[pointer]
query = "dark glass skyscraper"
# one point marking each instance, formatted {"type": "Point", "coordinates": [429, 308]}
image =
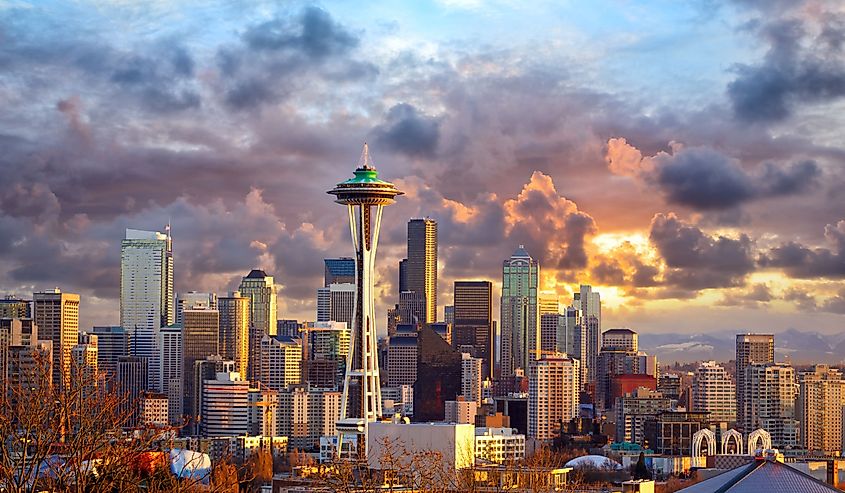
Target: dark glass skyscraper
{"type": "Point", "coordinates": [473, 324]}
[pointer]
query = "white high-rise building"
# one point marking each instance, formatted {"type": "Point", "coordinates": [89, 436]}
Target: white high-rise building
{"type": "Point", "coordinates": [713, 391]}
{"type": "Point", "coordinates": [471, 370]}
{"type": "Point", "coordinates": [499, 445]}
{"type": "Point", "coordinates": [336, 303]}
{"type": "Point", "coordinates": [281, 362]}
{"type": "Point", "coordinates": [194, 300]}
{"type": "Point", "coordinates": [750, 349]}
{"type": "Point", "coordinates": [769, 394]}
{"type": "Point", "coordinates": [622, 338]}
{"type": "Point", "coordinates": [460, 411]}
{"type": "Point", "coordinates": [146, 280]}
{"type": "Point", "coordinates": [305, 415]}
{"type": "Point", "coordinates": [520, 340]}
{"type": "Point", "coordinates": [553, 394]}
{"type": "Point", "coordinates": [821, 401]}
{"type": "Point", "coordinates": [402, 359]}
{"type": "Point", "coordinates": [225, 406]}
{"type": "Point", "coordinates": [588, 304]}
{"type": "Point", "coordinates": [169, 343]}
{"type": "Point", "coordinates": [261, 291]}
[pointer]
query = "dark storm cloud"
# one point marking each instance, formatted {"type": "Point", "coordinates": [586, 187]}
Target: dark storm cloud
{"type": "Point", "coordinates": [804, 64]}
{"type": "Point", "coordinates": [609, 272]}
{"type": "Point", "coordinates": [705, 179]}
{"type": "Point", "coordinates": [801, 261]}
{"type": "Point", "coordinates": [696, 260]}
{"type": "Point", "coordinates": [753, 297]}
{"type": "Point", "coordinates": [834, 304]}
{"type": "Point", "coordinates": [277, 56]}
{"type": "Point", "coordinates": [406, 130]}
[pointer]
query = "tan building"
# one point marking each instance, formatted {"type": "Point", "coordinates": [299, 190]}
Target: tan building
{"type": "Point", "coordinates": [281, 362]}
{"type": "Point", "coordinates": [713, 391]}
{"type": "Point", "coordinates": [234, 330]}
{"type": "Point", "coordinates": [553, 394]}
{"type": "Point", "coordinates": [461, 411]}
{"type": "Point", "coordinates": [306, 415]}
{"type": "Point", "coordinates": [57, 316]}
{"type": "Point", "coordinates": [821, 398]}
{"type": "Point", "coordinates": [261, 291]}
{"type": "Point", "coordinates": [421, 267]}
{"type": "Point", "coordinates": [750, 349]}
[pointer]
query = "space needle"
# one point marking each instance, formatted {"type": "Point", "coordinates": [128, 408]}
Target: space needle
{"type": "Point", "coordinates": [364, 196]}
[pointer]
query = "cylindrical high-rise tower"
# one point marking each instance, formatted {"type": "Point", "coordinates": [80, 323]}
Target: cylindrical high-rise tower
{"type": "Point", "coordinates": [365, 196]}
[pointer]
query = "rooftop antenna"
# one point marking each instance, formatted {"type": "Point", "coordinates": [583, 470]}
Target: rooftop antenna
{"type": "Point", "coordinates": [364, 162]}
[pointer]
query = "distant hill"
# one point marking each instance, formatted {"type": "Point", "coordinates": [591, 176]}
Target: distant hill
{"type": "Point", "coordinates": [793, 345]}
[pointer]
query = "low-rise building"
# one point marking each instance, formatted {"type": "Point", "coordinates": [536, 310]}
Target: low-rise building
{"type": "Point", "coordinates": [499, 445]}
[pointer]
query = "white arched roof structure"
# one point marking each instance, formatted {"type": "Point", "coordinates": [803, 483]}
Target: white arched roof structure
{"type": "Point", "coordinates": [697, 439]}
{"type": "Point", "coordinates": [762, 436]}
{"type": "Point", "coordinates": [726, 440]}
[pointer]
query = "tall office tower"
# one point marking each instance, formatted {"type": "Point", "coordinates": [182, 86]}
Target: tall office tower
{"type": "Point", "coordinates": [411, 308]}
{"type": "Point", "coordinates": [132, 373]}
{"type": "Point", "coordinates": [819, 409]}
{"type": "Point", "coordinates": [548, 304]}
{"type": "Point", "coordinates": [520, 320]}
{"type": "Point", "coordinates": [553, 393]}
{"type": "Point", "coordinates": [141, 343]}
{"type": "Point", "coordinates": [146, 280]}
{"type": "Point", "coordinates": [439, 376]}
{"type": "Point", "coordinates": [449, 314]}
{"type": "Point", "coordinates": [588, 304]}
{"type": "Point", "coordinates": [281, 361]}
{"type": "Point", "coordinates": [194, 300]}
{"type": "Point", "coordinates": [750, 349]}
{"type": "Point", "coordinates": [769, 394]}
{"type": "Point", "coordinates": [393, 319]}
{"type": "Point", "coordinates": [471, 377]}
{"type": "Point", "coordinates": [339, 271]}
{"type": "Point", "coordinates": [84, 357]}
{"type": "Point", "coordinates": [234, 330]}
{"type": "Point", "coordinates": [402, 359]}
{"type": "Point", "coordinates": [613, 362]}
{"type": "Point", "coordinates": [112, 343]}
{"type": "Point", "coordinates": [325, 348]}
{"type": "Point", "coordinates": [714, 392]}
{"type": "Point", "coordinates": [261, 291]}
{"type": "Point", "coordinates": [336, 303]}
{"type": "Point", "coordinates": [306, 414]}
{"type": "Point", "coordinates": [203, 370]}
{"type": "Point", "coordinates": [473, 321]}
{"type": "Point", "coordinates": [421, 267]}
{"type": "Point", "coordinates": [548, 332]}
{"type": "Point", "coordinates": [364, 196]}
{"type": "Point", "coordinates": [403, 275]}
{"type": "Point", "coordinates": [169, 344]}
{"type": "Point", "coordinates": [225, 406]}
{"type": "Point", "coordinates": [14, 332]}
{"type": "Point", "coordinates": [12, 307]}
{"type": "Point", "coordinates": [57, 316]}
{"type": "Point", "coordinates": [200, 335]}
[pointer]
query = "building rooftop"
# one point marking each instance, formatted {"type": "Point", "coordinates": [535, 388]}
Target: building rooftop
{"type": "Point", "coordinates": [521, 252]}
{"type": "Point", "coordinates": [256, 274]}
{"type": "Point", "coordinates": [761, 475]}
{"type": "Point", "coordinates": [620, 330]}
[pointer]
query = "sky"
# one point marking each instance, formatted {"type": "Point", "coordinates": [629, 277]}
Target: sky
{"type": "Point", "coordinates": [684, 158]}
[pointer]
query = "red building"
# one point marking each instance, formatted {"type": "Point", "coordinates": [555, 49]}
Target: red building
{"type": "Point", "coordinates": [623, 384]}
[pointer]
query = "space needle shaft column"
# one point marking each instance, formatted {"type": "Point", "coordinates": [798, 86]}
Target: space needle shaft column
{"type": "Point", "coordinates": [365, 196]}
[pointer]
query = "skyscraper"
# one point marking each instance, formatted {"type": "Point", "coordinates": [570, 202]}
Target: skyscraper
{"type": "Point", "coordinates": [553, 392]}
{"type": "Point", "coordinates": [714, 392]}
{"type": "Point", "coordinates": [336, 303]}
{"type": "Point", "coordinates": [819, 409]}
{"type": "Point", "coordinates": [439, 376]}
{"type": "Point", "coordinates": [520, 320]}
{"type": "Point", "coordinates": [281, 361]}
{"type": "Point", "coordinates": [194, 300]}
{"type": "Point", "coordinates": [339, 271]}
{"type": "Point", "coordinates": [200, 336]}
{"type": "Point", "coordinates": [132, 375]}
{"type": "Point", "coordinates": [364, 196]}
{"type": "Point", "coordinates": [57, 316]}
{"type": "Point", "coordinates": [146, 280]}
{"type": "Point", "coordinates": [12, 307]}
{"type": "Point", "coordinates": [225, 405]}
{"type": "Point", "coordinates": [473, 322]}
{"type": "Point", "coordinates": [588, 304]}
{"type": "Point", "coordinates": [112, 343]}
{"type": "Point", "coordinates": [234, 330]}
{"type": "Point", "coordinates": [261, 291]}
{"type": "Point", "coordinates": [769, 394]}
{"type": "Point", "coordinates": [169, 343]}
{"type": "Point", "coordinates": [750, 349]}
{"type": "Point", "coordinates": [421, 267]}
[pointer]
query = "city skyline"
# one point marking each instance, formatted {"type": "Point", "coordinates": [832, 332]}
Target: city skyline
{"type": "Point", "coordinates": [716, 196]}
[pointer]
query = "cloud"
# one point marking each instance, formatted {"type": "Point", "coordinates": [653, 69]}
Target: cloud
{"type": "Point", "coordinates": [752, 297]}
{"type": "Point", "coordinates": [800, 261]}
{"type": "Point", "coordinates": [804, 65]}
{"type": "Point", "coordinates": [705, 179]}
{"type": "Point", "coordinates": [406, 130]}
{"type": "Point", "coordinates": [834, 304]}
{"type": "Point", "coordinates": [696, 260]}
{"type": "Point", "coordinates": [802, 299]}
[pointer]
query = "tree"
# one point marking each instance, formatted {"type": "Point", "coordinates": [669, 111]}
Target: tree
{"type": "Point", "coordinates": [641, 470]}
